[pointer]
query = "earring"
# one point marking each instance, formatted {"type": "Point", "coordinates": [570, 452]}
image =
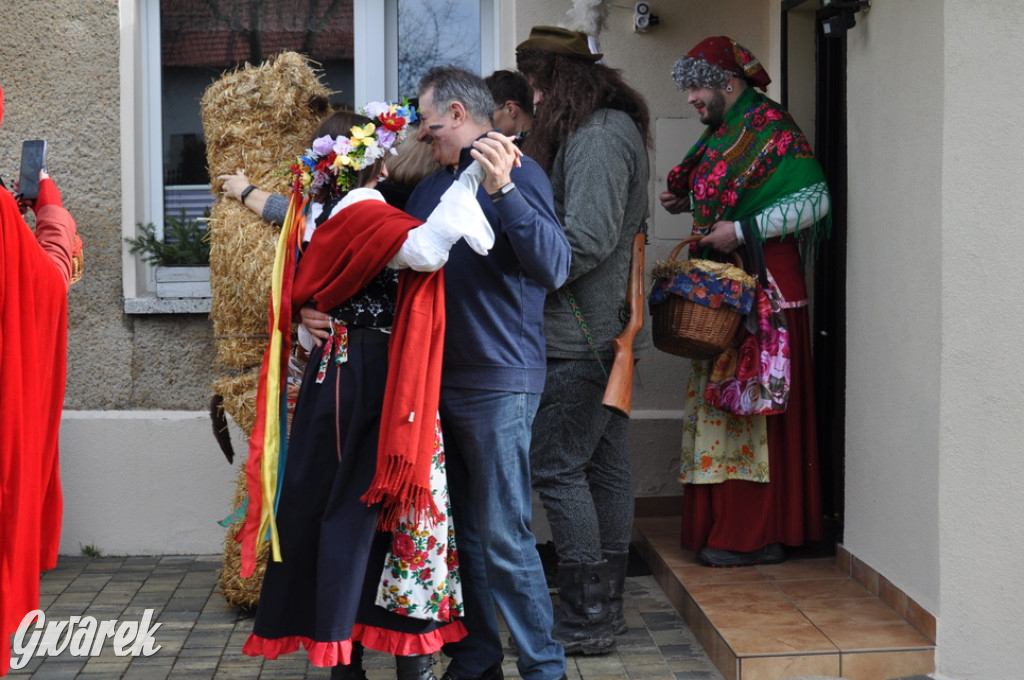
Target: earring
{"type": "Point", "coordinates": [728, 88]}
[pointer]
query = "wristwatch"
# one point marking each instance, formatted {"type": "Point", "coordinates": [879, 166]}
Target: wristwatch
{"type": "Point", "coordinates": [245, 193]}
{"type": "Point", "coordinates": [502, 192]}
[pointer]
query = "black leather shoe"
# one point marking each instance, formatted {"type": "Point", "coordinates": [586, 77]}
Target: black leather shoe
{"type": "Point", "coordinates": [492, 673]}
{"type": "Point", "coordinates": [417, 667]}
{"type": "Point", "coordinates": [769, 554]}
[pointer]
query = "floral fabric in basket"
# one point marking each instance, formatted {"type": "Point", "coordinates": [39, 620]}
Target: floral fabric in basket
{"type": "Point", "coordinates": [707, 283]}
{"type": "Point", "coordinates": [753, 379]}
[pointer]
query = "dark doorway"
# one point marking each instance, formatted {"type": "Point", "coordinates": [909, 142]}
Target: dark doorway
{"type": "Point", "coordinates": [814, 82]}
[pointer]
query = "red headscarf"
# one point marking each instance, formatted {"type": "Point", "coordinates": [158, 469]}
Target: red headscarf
{"type": "Point", "coordinates": [725, 52]}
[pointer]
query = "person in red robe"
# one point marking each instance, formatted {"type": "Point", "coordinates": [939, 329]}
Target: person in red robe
{"type": "Point", "coordinates": [35, 273]}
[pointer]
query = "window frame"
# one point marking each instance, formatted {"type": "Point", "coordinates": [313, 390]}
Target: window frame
{"type": "Point", "coordinates": [375, 23]}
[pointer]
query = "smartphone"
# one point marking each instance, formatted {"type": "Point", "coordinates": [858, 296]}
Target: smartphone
{"type": "Point", "coordinates": [33, 160]}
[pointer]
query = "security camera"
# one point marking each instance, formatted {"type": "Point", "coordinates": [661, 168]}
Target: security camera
{"type": "Point", "coordinates": [642, 17]}
{"type": "Point", "coordinates": [837, 25]}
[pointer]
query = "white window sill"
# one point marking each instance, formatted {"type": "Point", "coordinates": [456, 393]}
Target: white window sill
{"type": "Point", "coordinates": [155, 305]}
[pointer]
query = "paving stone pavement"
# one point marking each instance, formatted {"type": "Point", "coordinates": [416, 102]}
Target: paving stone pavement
{"type": "Point", "coordinates": [200, 636]}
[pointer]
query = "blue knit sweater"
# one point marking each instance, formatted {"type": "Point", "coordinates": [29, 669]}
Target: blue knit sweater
{"type": "Point", "coordinates": [495, 304]}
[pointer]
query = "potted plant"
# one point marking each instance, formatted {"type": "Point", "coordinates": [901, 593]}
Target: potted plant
{"type": "Point", "coordinates": [181, 258]}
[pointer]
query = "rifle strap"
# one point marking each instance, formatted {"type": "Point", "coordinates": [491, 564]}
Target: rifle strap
{"type": "Point", "coordinates": [583, 327]}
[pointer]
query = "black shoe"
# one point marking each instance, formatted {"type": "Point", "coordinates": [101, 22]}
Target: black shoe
{"type": "Point", "coordinates": [492, 673]}
{"type": "Point", "coordinates": [354, 669]}
{"type": "Point", "coordinates": [419, 667]}
{"type": "Point", "coordinates": [617, 563]}
{"type": "Point", "coordinates": [769, 554]}
{"type": "Point", "coordinates": [583, 619]}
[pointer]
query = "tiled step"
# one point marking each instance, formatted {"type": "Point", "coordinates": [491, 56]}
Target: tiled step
{"type": "Point", "coordinates": [798, 618]}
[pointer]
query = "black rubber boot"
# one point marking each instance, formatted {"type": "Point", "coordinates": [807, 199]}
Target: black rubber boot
{"type": "Point", "coordinates": [617, 562]}
{"type": "Point", "coordinates": [583, 621]}
{"type": "Point", "coordinates": [354, 669]}
{"type": "Point", "coordinates": [419, 667]}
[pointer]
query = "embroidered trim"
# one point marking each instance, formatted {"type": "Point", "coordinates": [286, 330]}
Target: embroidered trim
{"type": "Point", "coordinates": [336, 345]}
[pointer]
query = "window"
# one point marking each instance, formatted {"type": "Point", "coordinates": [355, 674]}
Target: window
{"type": "Point", "coordinates": [432, 32]}
{"type": "Point", "coordinates": [173, 49]}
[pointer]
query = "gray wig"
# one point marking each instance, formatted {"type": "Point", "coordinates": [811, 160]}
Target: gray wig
{"type": "Point", "coordinates": [692, 72]}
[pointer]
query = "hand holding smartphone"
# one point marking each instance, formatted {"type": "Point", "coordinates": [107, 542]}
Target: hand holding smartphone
{"type": "Point", "coordinates": [33, 161]}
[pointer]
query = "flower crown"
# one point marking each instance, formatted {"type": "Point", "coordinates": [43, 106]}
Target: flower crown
{"type": "Point", "coordinates": [334, 162]}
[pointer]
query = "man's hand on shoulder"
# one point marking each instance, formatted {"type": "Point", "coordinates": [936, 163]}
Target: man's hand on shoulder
{"type": "Point", "coordinates": [497, 154]}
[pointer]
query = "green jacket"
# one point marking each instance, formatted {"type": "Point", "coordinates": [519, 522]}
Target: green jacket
{"type": "Point", "coordinates": [600, 177]}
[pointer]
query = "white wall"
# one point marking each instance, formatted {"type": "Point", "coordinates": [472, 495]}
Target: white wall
{"type": "Point", "coordinates": [933, 417]}
{"type": "Point", "coordinates": [144, 482]}
{"type": "Point", "coordinates": [894, 324]}
{"type": "Point", "coordinates": [981, 505]}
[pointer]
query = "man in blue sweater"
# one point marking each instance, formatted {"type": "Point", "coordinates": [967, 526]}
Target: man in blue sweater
{"type": "Point", "coordinates": [494, 371]}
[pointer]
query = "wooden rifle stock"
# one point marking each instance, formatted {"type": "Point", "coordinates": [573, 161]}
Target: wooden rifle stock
{"type": "Point", "coordinates": [618, 394]}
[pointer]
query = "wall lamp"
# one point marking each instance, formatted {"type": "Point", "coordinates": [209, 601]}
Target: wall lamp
{"type": "Point", "coordinates": [840, 19]}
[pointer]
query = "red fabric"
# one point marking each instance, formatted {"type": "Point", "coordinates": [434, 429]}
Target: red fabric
{"type": "Point", "coordinates": [725, 52]}
{"type": "Point", "coordinates": [742, 516]}
{"type": "Point", "coordinates": [33, 364]}
{"type": "Point", "coordinates": [328, 654]}
{"type": "Point", "coordinates": [49, 194]}
{"type": "Point", "coordinates": [408, 420]}
{"type": "Point", "coordinates": [60, 242]}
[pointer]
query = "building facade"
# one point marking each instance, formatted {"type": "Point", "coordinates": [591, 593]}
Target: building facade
{"type": "Point", "coordinates": [923, 399]}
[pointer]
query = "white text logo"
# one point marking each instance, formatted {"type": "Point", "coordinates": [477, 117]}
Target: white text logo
{"type": "Point", "coordinates": [81, 636]}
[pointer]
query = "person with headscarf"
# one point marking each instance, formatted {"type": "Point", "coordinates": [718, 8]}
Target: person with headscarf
{"type": "Point", "coordinates": [752, 481]}
{"type": "Point", "coordinates": [36, 270]}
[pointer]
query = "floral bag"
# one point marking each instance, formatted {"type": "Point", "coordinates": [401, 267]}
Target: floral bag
{"type": "Point", "coordinates": [754, 379]}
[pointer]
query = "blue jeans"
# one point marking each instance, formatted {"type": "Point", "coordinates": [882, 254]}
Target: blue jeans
{"type": "Point", "coordinates": [487, 446]}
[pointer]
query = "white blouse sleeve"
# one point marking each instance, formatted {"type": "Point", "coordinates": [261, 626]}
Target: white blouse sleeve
{"type": "Point", "coordinates": [458, 215]}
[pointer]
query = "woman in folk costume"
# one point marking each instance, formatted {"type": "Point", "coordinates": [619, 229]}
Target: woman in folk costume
{"type": "Point", "coordinates": [752, 481]}
{"type": "Point", "coordinates": [354, 502]}
{"type": "Point", "coordinates": [36, 270]}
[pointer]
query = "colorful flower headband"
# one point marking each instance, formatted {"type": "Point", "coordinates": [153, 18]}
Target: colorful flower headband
{"type": "Point", "coordinates": [334, 162]}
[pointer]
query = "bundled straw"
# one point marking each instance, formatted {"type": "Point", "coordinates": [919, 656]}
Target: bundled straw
{"type": "Point", "coordinates": [238, 591]}
{"type": "Point", "coordinates": [239, 393]}
{"type": "Point", "coordinates": [256, 119]}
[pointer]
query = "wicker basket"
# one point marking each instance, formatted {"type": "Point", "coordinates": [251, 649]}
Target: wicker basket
{"type": "Point", "coordinates": [685, 328]}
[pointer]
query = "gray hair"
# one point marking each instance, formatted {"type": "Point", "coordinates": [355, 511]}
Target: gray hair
{"type": "Point", "coordinates": [691, 72]}
{"type": "Point", "coordinates": [454, 84]}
